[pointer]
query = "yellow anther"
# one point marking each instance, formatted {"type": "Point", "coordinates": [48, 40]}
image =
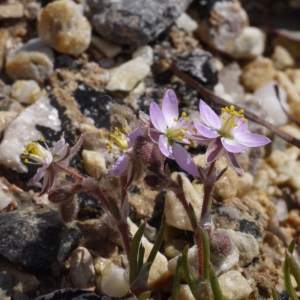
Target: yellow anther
{"type": "Point", "coordinates": [26, 161]}
{"type": "Point", "coordinates": [183, 115]}
{"type": "Point", "coordinates": [124, 130]}
{"type": "Point", "coordinates": [192, 143]}
{"type": "Point", "coordinates": [195, 130]}
{"type": "Point", "coordinates": [42, 139]}
{"type": "Point", "coordinates": [175, 119]}
{"type": "Point", "coordinates": [241, 111]}
{"type": "Point", "coordinates": [224, 118]}
{"type": "Point", "coordinates": [245, 121]}
{"type": "Point", "coordinates": [235, 125]}
{"type": "Point", "coordinates": [231, 108]}
{"type": "Point", "coordinates": [186, 119]}
{"type": "Point", "coordinates": [180, 137]}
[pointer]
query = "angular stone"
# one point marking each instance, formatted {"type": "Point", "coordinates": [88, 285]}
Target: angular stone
{"type": "Point", "coordinates": [185, 22]}
{"type": "Point", "coordinates": [82, 269]}
{"type": "Point", "coordinates": [291, 89]}
{"type": "Point", "coordinates": [249, 44]}
{"type": "Point", "coordinates": [222, 24]}
{"type": "Point", "coordinates": [35, 240]}
{"type": "Point", "coordinates": [234, 286]}
{"type": "Point", "coordinates": [25, 91]}
{"type": "Point", "coordinates": [257, 73]}
{"type": "Point", "coordinates": [145, 52]}
{"type": "Point", "coordinates": [64, 28]}
{"type": "Point", "coordinates": [282, 58]}
{"type": "Point", "coordinates": [12, 10]}
{"type": "Point", "coordinates": [200, 65]}
{"type": "Point", "coordinates": [94, 163]}
{"type": "Point", "coordinates": [110, 50]}
{"type": "Point", "coordinates": [112, 281]}
{"type": "Point", "coordinates": [135, 23]}
{"type": "Point", "coordinates": [266, 97]}
{"type": "Point", "coordinates": [247, 246]}
{"type": "Point", "coordinates": [128, 75]}
{"type": "Point", "coordinates": [33, 60]}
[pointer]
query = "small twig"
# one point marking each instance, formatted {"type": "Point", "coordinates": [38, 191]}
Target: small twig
{"type": "Point", "coordinates": [207, 95]}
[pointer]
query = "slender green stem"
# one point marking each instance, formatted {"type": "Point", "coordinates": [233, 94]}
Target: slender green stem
{"type": "Point", "coordinates": [275, 295]}
{"type": "Point", "coordinates": [177, 277]}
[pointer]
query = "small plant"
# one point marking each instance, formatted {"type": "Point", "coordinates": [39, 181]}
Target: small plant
{"type": "Point", "coordinates": [145, 143]}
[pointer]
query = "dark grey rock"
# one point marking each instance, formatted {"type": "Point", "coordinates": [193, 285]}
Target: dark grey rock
{"type": "Point", "coordinates": [134, 23]}
{"type": "Point", "coordinates": [19, 296]}
{"type": "Point", "coordinates": [36, 240]}
{"type": "Point", "coordinates": [5, 286]}
{"type": "Point", "coordinates": [200, 65]}
{"type": "Point", "coordinates": [72, 294]}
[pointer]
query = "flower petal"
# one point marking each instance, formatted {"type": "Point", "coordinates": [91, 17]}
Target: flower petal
{"type": "Point", "coordinates": [170, 107]}
{"type": "Point", "coordinates": [120, 166]}
{"type": "Point", "coordinates": [232, 146]}
{"type": "Point", "coordinates": [58, 146]}
{"type": "Point", "coordinates": [205, 131]}
{"type": "Point", "coordinates": [184, 160]}
{"type": "Point", "coordinates": [214, 150]}
{"type": "Point", "coordinates": [134, 135]}
{"type": "Point", "coordinates": [63, 153]}
{"type": "Point", "coordinates": [209, 117]}
{"type": "Point", "coordinates": [154, 135]}
{"type": "Point", "coordinates": [157, 117]}
{"type": "Point", "coordinates": [37, 177]}
{"type": "Point", "coordinates": [251, 140]}
{"type": "Point", "coordinates": [165, 147]}
{"type": "Point", "coordinates": [49, 179]}
{"type": "Point", "coordinates": [234, 163]}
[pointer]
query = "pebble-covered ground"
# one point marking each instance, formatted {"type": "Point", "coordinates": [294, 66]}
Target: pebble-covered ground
{"type": "Point", "coordinates": [64, 63]}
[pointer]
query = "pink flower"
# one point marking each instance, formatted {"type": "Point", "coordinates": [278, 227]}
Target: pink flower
{"type": "Point", "coordinates": [226, 134]}
{"type": "Point", "coordinates": [48, 159]}
{"type": "Point", "coordinates": [168, 130]}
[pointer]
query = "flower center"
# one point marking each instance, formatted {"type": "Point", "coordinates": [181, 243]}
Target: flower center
{"type": "Point", "coordinates": [119, 139]}
{"type": "Point", "coordinates": [175, 133]}
{"type": "Point", "coordinates": [229, 120]}
{"type": "Point", "coordinates": [34, 151]}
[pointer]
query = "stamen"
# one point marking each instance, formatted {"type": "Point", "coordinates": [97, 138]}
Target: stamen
{"type": "Point", "coordinates": [183, 115]}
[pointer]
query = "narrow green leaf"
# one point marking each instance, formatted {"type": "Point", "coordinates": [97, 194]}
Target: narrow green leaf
{"type": "Point", "coordinates": [295, 270]}
{"type": "Point", "coordinates": [287, 276]}
{"type": "Point", "coordinates": [206, 254]}
{"type": "Point", "coordinates": [144, 296]}
{"type": "Point", "coordinates": [214, 282]}
{"type": "Point", "coordinates": [177, 277]}
{"type": "Point", "coordinates": [140, 284]}
{"type": "Point", "coordinates": [275, 295]}
{"type": "Point", "coordinates": [158, 241]}
{"type": "Point", "coordinates": [135, 244]}
{"type": "Point", "coordinates": [185, 268]}
{"type": "Point", "coordinates": [141, 257]}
